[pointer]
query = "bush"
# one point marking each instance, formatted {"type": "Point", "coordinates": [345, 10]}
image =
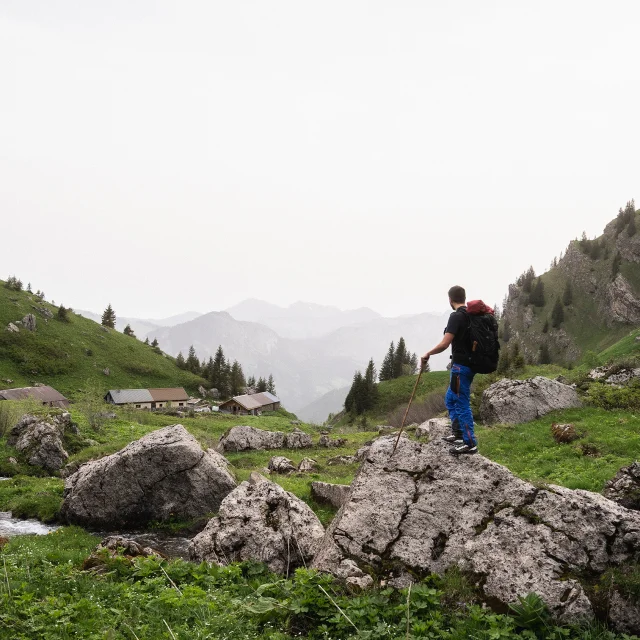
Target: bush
{"type": "Point", "coordinates": [608, 397]}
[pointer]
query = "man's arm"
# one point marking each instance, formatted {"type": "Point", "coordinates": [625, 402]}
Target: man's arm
{"type": "Point", "coordinates": [444, 344]}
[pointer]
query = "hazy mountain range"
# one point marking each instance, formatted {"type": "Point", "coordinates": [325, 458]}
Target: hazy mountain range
{"type": "Point", "coordinates": [311, 350]}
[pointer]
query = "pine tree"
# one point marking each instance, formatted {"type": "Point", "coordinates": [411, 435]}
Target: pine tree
{"type": "Point", "coordinates": [63, 314]}
{"type": "Point", "coordinates": [109, 317]}
{"type": "Point", "coordinates": [545, 356]}
{"type": "Point", "coordinates": [370, 394]}
{"type": "Point", "coordinates": [620, 221]}
{"type": "Point", "coordinates": [537, 294]}
{"type": "Point", "coordinates": [128, 331]}
{"type": "Point", "coordinates": [236, 379]}
{"type": "Point", "coordinates": [615, 265]}
{"type": "Point", "coordinates": [386, 370]}
{"type": "Point", "coordinates": [413, 364]}
{"type": "Point", "coordinates": [399, 358]}
{"type": "Point", "coordinates": [261, 385]}
{"type": "Point", "coordinates": [180, 361]}
{"type": "Point", "coordinates": [567, 296]}
{"type": "Point", "coordinates": [146, 341]}
{"type": "Point", "coordinates": [557, 315]}
{"type": "Point", "coordinates": [251, 382]}
{"type": "Point", "coordinates": [216, 378]}
{"type": "Point", "coordinates": [517, 359]}
{"type": "Point", "coordinates": [193, 364]}
{"type": "Point", "coordinates": [29, 287]}
{"type": "Point", "coordinates": [271, 385]}
{"type": "Point", "coordinates": [631, 227]}
{"type": "Point", "coordinates": [155, 344]}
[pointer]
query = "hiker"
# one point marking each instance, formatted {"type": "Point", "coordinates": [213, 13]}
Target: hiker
{"type": "Point", "coordinates": [458, 394]}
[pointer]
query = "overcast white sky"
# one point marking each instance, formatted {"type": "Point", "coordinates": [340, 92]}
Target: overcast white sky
{"type": "Point", "coordinates": [165, 156]}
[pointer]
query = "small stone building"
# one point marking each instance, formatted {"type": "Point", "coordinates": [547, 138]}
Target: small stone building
{"type": "Point", "coordinates": [254, 404]}
{"type": "Point", "coordinates": [47, 396]}
{"type": "Point", "coordinates": [148, 398]}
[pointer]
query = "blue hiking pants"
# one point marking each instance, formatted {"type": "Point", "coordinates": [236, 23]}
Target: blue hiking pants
{"type": "Point", "coordinates": [457, 402]}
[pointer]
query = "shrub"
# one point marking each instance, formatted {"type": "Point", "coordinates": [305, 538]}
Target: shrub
{"type": "Point", "coordinates": [608, 397]}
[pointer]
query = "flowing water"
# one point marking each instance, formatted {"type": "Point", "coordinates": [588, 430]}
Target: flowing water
{"type": "Point", "coordinates": [10, 526]}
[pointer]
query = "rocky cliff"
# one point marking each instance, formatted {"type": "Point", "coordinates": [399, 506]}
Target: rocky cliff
{"type": "Point", "coordinates": [587, 300]}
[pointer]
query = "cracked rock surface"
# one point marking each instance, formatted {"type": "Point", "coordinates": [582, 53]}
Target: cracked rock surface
{"type": "Point", "coordinates": [244, 438]}
{"type": "Point", "coordinates": [40, 440]}
{"type": "Point", "coordinates": [624, 487]}
{"type": "Point", "coordinates": [423, 510]}
{"type": "Point", "coordinates": [166, 473]}
{"type": "Point", "coordinates": [260, 521]}
{"type": "Point", "coordinates": [517, 401]}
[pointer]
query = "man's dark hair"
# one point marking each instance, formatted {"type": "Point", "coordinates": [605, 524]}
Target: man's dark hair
{"type": "Point", "coordinates": [457, 294]}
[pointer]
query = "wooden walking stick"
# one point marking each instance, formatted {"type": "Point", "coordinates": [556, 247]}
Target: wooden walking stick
{"type": "Point", "coordinates": [413, 393]}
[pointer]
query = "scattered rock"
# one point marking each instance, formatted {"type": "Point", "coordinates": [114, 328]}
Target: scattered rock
{"type": "Point", "coordinates": [416, 512]}
{"type": "Point", "coordinates": [12, 328]}
{"type": "Point", "coordinates": [329, 443]}
{"type": "Point", "coordinates": [110, 547]}
{"type": "Point", "coordinates": [106, 371]}
{"type": "Point", "coordinates": [8, 381]}
{"type": "Point", "coordinates": [296, 423]}
{"type": "Point", "coordinates": [385, 430]}
{"type": "Point", "coordinates": [29, 322]}
{"type": "Point", "coordinates": [334, 494]}
{"type": "Point", "coordinates": [624, 613]}
{"type": "Point", "coordinates": [280, 464]}
{"type": "Point", "coordinates": [260, 521]}
{"type": "Point", "coordinates": [624, 487]}
{"type": "Point", "coordinates": [244, 438]}
{"type": "Point", "coordinates": [615, 375]}
{"type": "Point", "coordinates": [13, 461]}
{"type": "Point", "coordinates": [165, 474]}
{"type": "Point", "coordinates": [40, 441]}
{"type": "Point", "coordinates": [307, 465]}
{"type": "Point", "coordinates": [43, 311]}
{"type": "Point", "coordinates": [564, 433]}
{"type": "Point", "coordinates": [517, 401]}
{"type": "Point", "coordinates": [341, 460]}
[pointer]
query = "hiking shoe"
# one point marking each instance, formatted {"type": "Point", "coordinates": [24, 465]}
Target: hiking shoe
{"type": "Point", "coordinates": [463, 448]}
{"type": "Point", "coordinates": [452, 439]}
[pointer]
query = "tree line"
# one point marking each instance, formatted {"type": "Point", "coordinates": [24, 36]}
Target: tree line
{"type": "Point", "coordinates": [224, 375]}
{"type": "Point", "coordinates": [363, 394]}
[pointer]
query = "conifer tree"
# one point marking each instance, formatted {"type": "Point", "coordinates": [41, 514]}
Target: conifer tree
{"type": "Point", "coordinates": [251, 381]}
{"type": "Point", "coordinates": [370, 387]}
{"type": "Point", "coordinates": [63, 314]}
{"type": "Point", "coordinates": [271, 385]}
{"type": "Point", "coordinates": [413, 364]}
{"type": "Point", "coordinates": [537, 294]}
{"type": "Point", "coordinates": [615, 265]}
{"type": "Point", "coordinates": [237, 380]}
{"type": "Point", "coordinates": [29, 287]}
{"type": "Point", "coordinates": [155, 344]}
{"type": "Point", "coordinates": [193, 364]}
{"type": "Point", "coordinates": [557, 315]}
{"type": "Point", "coordinates": [386, 370]}
{"type": "Point", "coordinates": [399, 358]}
{"type": "Point", "coordinates": [146, 341]}
{"type": "Point", "coordinates": [109, 317]}
{"type": "Point", "coordinates": [567, 295]}
{"type": "Point", "coordinates": [180, 361]}
{"type": "Point", "coordinates": [545, 356]}
{"type": "Point", "coordinates": [517, 359]}
{"type": "Point", "coordinates": [217, 374]}
{"type": "Point", "coordinates": [261, 385]}
{"type": "Point", "coordinates": [631, 227]}
{"type": "Point", "coordinates": [128, 331]}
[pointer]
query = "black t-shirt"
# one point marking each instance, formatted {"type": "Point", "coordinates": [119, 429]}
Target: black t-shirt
{"type": "Point", "coordinates": [458, 325]}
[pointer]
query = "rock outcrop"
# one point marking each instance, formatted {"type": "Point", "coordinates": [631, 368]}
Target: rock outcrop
{"type": "Point", "coordinates": [515, 401]}
{"type": "Point", "coordinates": [244, 438]}
{"type": "Point", "coordinates": [280, 464]}
{"type": "Point", "coordinates": [423, 430]}
{"type": "Point", "coordinates": [333, 494]}
{"type": "Point", "coordinates": [40, 441]}
{"type": "Point", "coordinates": [423, 510]}
{"type": "Point", "coordinates": [164, 474]}
{"type": "Point", "coordinates": [260, 521]}
{"type": "Point", "coordinates": [624, 487]}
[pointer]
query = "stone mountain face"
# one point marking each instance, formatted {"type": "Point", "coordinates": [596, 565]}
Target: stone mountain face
{"type": "Point", "coordinates": [604, 302]}
{"type": "Point", "coordinates": [304, 370]}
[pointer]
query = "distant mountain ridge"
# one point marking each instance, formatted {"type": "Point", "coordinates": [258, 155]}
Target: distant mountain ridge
{"type": "Point", "coordinates": [301, 319]}
{"type": "Point", "coordinates": [141, 327]}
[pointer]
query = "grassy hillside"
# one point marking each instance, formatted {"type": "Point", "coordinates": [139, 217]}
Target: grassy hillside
{"type": "Point", "coordinates": [71, 355]}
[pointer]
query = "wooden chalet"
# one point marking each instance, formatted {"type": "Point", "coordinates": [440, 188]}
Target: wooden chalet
{"type": "Point", "coordinates": [253, 404]}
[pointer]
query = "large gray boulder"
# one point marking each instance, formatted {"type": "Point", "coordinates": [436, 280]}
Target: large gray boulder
{"type": "Point", "coordinates": [40, 441]}
{"type": "Point", "coordinates": [422, 510]}
{"type": "Point", "coordinates": [164, 474]}
{"type": "Point", "coordinates": [260, 521]}
{"type": "Point", "coordinates": [244, 438]}
{"type": "Point", "coordinates": [515, 401]}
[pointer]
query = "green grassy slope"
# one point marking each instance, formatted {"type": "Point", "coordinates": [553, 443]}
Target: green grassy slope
{"type": "Point", "coordinates": [70, 355]}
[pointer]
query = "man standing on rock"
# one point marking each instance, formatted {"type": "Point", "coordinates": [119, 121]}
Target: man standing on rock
{"type": "Point", "coordinates": [458, 394]}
